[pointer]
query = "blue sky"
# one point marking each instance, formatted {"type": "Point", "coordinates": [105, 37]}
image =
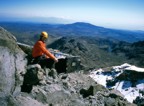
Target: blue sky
{"type": "Point", "coordinates": [122, 14]}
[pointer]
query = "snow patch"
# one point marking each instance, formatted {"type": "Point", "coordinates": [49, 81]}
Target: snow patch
{"type": "Point", "coordinates": [125, 87]}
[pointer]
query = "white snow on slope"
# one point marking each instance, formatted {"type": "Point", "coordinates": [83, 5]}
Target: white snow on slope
{"type": "Point", "coordinates": [125, 87]}
{"type": "Point", "coordinates": [135, 68]}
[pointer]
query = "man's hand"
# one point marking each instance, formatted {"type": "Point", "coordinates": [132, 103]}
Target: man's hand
{"type": "Point", "coordinates": [56, 60]}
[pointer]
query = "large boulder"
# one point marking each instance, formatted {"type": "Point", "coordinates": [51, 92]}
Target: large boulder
{"type": "Point", "coordinates": [12, 65]}
{"type": "Point", "coordinates": [33, 76]}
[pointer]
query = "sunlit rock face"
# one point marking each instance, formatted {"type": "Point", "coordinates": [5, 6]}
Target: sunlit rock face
{"type": "Point", "coordinates": [12, 64]}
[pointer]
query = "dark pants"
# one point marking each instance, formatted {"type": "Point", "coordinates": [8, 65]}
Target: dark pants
{"type": "Point", "coordinates": [43, 62]}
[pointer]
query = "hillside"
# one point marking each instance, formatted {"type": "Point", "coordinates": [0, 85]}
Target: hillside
{"type": "Point", "coordinates": [94, 53]}
{"type": "Point", "coordinates": [133, 52]}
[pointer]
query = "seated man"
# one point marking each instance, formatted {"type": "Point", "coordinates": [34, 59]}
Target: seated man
{"type": "Point", "coordinates": [41, 55]}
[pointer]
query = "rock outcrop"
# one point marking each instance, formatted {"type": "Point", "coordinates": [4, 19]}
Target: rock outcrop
{"type": "Point", "coordinates": [12, 65]}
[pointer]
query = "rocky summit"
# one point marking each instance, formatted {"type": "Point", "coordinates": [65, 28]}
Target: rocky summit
{"type": "Point", "coordinates": [22, 84]}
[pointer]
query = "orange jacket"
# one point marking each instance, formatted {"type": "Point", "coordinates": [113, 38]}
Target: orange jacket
{"type": "Point", "coordinates": [39, 49]}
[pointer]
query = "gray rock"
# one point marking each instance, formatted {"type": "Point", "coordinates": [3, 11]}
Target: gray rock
{"type": "Point", "coordinates": [7, 100]}
{"type": "Point", "coordinates": [77, 102]}
{"type": "Point", "coordinates": [34, 74]}
{"type": "Point", "coordinates": [28, 101]}
{"type": "Point", "coordinates": [53, 73]}
{"type": "Point", "coordinates": [12, 63]}
{"type": "Point", "coordinates": [139, 101]}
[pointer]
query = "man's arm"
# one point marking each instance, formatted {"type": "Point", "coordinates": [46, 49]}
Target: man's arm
{"type": "Point", "coordinates": [47, 53]}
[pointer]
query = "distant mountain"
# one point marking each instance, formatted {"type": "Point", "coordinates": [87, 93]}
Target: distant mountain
{"type": "Point", "coordinates": [27, 30]}
{"type": "Point", "coordinates": [86, 29]}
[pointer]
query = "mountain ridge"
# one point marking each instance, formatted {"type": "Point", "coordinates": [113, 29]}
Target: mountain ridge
{"type": "Point", "coordinates": [74, 29]}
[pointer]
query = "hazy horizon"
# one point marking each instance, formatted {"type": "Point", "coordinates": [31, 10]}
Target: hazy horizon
{"type": "Point", "coordinates": [117, 14]}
